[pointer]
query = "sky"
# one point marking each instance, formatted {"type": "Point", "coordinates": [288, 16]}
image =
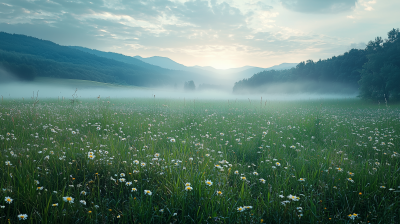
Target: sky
{"type": "Point", "coordinates": [219, 33]}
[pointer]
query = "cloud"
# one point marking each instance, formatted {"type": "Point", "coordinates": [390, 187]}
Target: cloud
{"type": "Point", "coordinates": [210, 15]}
{"type": "Point", "coordinates": [319, 6]}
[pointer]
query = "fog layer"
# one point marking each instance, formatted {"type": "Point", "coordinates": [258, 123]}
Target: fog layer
{"type": "Point", "coordinates": [84, 89]}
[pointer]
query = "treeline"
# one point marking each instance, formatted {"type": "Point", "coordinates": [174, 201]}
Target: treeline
{"type": "Point", "coordinates": [28, 57]}
{"type": "Point", "coordinates": [374, 70]}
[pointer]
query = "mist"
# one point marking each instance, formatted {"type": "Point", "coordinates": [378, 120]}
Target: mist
{"type": "Point", "coordinates": [92, 90]}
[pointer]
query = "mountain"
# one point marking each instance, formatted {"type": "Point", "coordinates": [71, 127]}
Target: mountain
{"type": "Point", "coordinates": [163, 62]}
{"type": "Point", "coordinates": [28, 57]}
{"type": "Point", "coordinates": [119, 57]}
{"type": "Point", "coordinates": [230, 75]}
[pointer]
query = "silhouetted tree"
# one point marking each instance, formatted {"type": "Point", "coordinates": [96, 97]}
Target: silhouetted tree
{"type": "Point", "coordinates": [189, 86]}
{"type": "Point", "coordinates": [380, 76]}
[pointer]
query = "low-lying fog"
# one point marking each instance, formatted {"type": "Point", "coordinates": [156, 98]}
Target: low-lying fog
{"type": "Point", "coordinates": [26, 90]}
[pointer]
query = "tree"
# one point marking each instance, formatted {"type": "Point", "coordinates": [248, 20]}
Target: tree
{"type": "Point", "coordinates": [381, 73]}
{"type": "Point", "coordinates": [189, 86]}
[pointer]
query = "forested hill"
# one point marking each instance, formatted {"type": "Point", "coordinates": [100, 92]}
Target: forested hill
{"type": "Point", "coordinates": [339, 69]}
{"type": "Point", "coordinates": [28, 57]}
{"type": "Point", "coordinates": [375, 71]}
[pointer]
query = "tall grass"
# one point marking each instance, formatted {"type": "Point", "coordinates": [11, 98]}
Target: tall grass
{"type": "Point", "coordinates": [338, 159]}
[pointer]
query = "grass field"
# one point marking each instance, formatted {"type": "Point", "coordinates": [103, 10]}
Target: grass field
{"type": "Point", "coordinates": [186, 161]}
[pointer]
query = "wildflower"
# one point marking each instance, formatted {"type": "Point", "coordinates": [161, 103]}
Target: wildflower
{"type": "Point", "coordinates": [83, 192]}
{"type": "Point", "coordinates": [89, 212]}
{"type": "Point", "coordinates": [243, 178]}
{"type": "Point", "coordinates": [285, 202]}
{"type": "Point", "coordinates": [157, 155]}
{"type": "Point", "coordinates": [302, 179]}
{"type": "Point", "coordinates": [209, 183]}
{"type": "Point", "coordinates": [240, 209]}
{"type": "Point", "coordinates": [277, 164]}
{"type": "Point", "coordinates": [187, 184]}
{"type": "Point", "coordinates": [8, 163]}
{"type": "Point", "coordinates": [55, 205]}
{"type": "Point", "coordinates": [188, 188]}
{"type": "Point", "coordinates": [339, 169]}
{"type": "Point", "coordinates": [22, 216]}
{"type": "Point", "coordinates": [293, 197]}
{"type": "Point", "coordinates": [262, 180]}
{"type": "Point", "coordinates": [148, 192]}
{"type": "Point", "coordinates": [91, 156]}
{"type": "Point", "coordinates": [255, 173]}
{"type": "Point", "coordinates": [236, 172]}
{"type": "Point", "coordinates": [248, 207]}
{"type": "Point", "coordinates": [128, 183]}
{"type": "Point", "coordinates": [133, 189]}
{"type": "Point", "coordinates": [39, 188]}
{"type": "Point", "coordinates": [350, 173]}
{"type": "Point", "coordinates": [73, 132]}
{"type": "Point", "coordinates": [98, 128]}
{"type": "Point", "coordinates": [219, 193]}
{"type": "Point", "coordinates": [68, 199]}
{"type": "Point", "coordinates": [353, 216]}
{"type": "Point", "coordinates": [36, 182]}
{"type": "Point", "coordinates": [383, 187]}
{"type": "Point", "coordinates": [122, 180]}
{"type": "Point", "coordinates": [136, 162]}
{"type": "Point", "coordinates": [351, 180]}
{"type": "Point", "coordinates": [122, 175]}
{"type": "Point", "coordinates": [161, 210]}
{"type": "Point", "coordinates": [143, 164]}
{"type": "Point", "coordinates": [8, 200]}
{"type": "Point", "coordinates": [83, 202]}
{"type": "Point", "coordinates": [172, 140]}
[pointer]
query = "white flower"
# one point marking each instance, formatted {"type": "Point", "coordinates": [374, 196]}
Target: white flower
{"type": "Point", "coordinates": [240, 209]}
{"type": "Point", "coordinates": [148, 192]}
{"type": "Point", "coordinates": [83, 202]}
{"type": "Point", "coordinates": [68, 199]}
{"type": "Point", "coordinates": [8, 200]}
{"type": "Point", "coordinates": [209, 183]}
{"type": "Point", "coordinates": [22, 216]}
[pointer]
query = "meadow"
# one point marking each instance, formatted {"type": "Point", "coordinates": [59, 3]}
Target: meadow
{"type": "Point", "coordinates": [197, 161]}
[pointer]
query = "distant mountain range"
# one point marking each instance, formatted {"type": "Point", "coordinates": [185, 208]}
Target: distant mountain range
{"type": "Point", "coordinates": [206, 74]}
{"type": "Point", "coordinates": [27, 57]}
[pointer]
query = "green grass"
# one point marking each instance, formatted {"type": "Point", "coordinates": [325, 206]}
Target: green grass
{"type": "Point", "coordinates": [48, 144]}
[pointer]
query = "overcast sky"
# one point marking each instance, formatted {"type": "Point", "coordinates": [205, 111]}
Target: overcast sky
{"type": "Point", "coordinates": [219, 33]}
